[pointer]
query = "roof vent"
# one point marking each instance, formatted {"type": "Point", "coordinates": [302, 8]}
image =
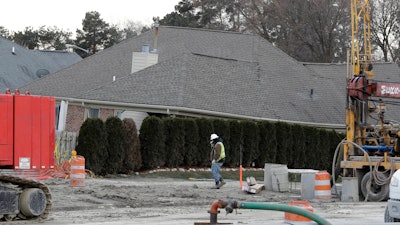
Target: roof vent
{"type": "Point", "coordinates": [146, 48]}
{"type": "Point", "coordinates": [13, 50]}
{"type": "Point", "coordinates": [42, 72]}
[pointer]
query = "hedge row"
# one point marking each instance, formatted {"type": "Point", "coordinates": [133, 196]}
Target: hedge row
{"type": "Point", "coordinates": [184, 142]}
{"type": "Point", "coordinates": [109, 147]}
{"type": "Point", "coordinates": [114, 146]}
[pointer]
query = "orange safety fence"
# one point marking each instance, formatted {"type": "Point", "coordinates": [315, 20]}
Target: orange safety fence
{"type": "Point", "coordinates": [61, 171]}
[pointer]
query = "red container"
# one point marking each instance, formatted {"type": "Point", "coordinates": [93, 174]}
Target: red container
{"type": "Point", "coordinates": [48, 134]}
{"type": "Point", "coordinates": [6, 130]}
{"type": "Point", "coordinates": [34, 132]}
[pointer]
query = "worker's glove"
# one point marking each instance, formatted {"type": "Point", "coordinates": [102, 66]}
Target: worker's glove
{"type": "Point", "coordinates": [213, 161]}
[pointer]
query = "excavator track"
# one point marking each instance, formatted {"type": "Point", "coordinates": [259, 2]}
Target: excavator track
{"type": "Point", "coordinates": [24, 183]}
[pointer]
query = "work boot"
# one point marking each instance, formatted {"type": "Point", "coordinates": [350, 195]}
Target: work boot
{"type": "Point", "coordinates": [217, 185]}
{"type": "Point", "coordinates": [221, 183]}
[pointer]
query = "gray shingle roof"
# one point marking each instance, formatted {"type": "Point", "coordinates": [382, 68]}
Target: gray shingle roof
{"type": "Point", "coordinates": [22, 66]}
{"type": "Point", "coordinates": [207, 70]}
{"type": "Point", "coordinates": [335, 75]}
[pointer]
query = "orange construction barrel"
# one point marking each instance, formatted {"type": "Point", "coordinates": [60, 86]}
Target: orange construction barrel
{"type": "Point", "coordinates": [301, 204]}
{"type": "Point", "coordinates": [322, 185]}
{"type": "Point", "coordinates": [78, 173]}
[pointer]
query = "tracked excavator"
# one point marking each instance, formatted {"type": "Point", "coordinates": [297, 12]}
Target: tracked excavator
{"type": "Point", "coordinates": [27, 134]}
{"type": "Point", "coordinates": [371, 151]}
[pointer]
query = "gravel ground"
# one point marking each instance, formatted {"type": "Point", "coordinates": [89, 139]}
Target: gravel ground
{"type": "Point", "coordinates": [137, 200]}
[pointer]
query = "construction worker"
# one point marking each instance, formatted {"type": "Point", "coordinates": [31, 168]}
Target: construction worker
{"type": "Point", "coordinates": [217, 157]}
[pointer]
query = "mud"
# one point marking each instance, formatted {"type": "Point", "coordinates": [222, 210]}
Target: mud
{"type": "Point", "coordinates": [137, 200]}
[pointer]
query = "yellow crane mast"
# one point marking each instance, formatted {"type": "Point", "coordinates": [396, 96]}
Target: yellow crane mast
{"type": "Point", "coordinates": [361, 62]}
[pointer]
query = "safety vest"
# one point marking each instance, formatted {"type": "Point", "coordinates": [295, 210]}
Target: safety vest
{"type": "Point", "coordinates": [222, 155]}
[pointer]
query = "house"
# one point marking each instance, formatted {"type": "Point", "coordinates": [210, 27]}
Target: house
{"type": "Point", "coordinates": [196, 72]}
{"type": "Point", "coordinates": [19, 65]}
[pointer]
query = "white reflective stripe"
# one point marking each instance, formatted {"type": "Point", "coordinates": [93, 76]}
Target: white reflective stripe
{"type": "Point", "coordinates": [321, 193]}
{"type": "Point", "coordinates": [322, 182]}
{"type": "Point", "coordinates": [77, 167]}
{"type": "Point", "coordinates": [79, 175]}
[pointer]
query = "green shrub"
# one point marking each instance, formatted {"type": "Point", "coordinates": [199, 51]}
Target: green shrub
{"type": "Point", "coordinates": [284, 142]}
{"type": "Point", "coordinates": [191, 153]}
{"type": "Point", "coordinates": [299, 148]}
{"type": "Point", "coordinates": [92, 142]}
{"type": "Point", "coordinates": [311, 144]}
{"type": "Point", "coordinates": [205, 130]}
{"type": "Point", "coordinates": [174, 141]}
{"type": "Point", "coordinates": [152, 143]}
{"type": "Point", "coordinates": [250, 139]}
{"type": "Point", "coordinates": [233, 157]}
{"type": "Point", "coordinates": [323, 154]}
{"type": "Point", "coordinates": [133, 159]}
{"type": "Point", "coordinates": [268, 143]}
{"type": "Point", "coordinates": [115, 145]}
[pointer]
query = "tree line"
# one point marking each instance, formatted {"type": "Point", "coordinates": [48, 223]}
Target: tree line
{"type": "Point", "coordinates": [95, 35]}
{"type": "Point", "coordinates": [309, 31]}
{"type": "Point", "coordinates": [114, 146]}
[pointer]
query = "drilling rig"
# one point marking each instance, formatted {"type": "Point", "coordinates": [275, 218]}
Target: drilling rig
{"type": "Point", "coordinates": [371, 150]}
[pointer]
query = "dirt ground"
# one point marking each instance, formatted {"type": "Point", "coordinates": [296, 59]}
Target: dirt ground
{"type": "Point", "coordinates": [137, 200]}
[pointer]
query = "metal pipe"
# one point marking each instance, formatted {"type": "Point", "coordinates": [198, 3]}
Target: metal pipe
{"type": "Point", "coordinates": [214, 211]}
{"type": "Point", "coordinates": [228, 205]}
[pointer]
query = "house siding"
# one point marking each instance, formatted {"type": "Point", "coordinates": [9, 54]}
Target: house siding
{"type": "Point", "coordinates": [106, 113]}
{"type": "Point", "coordinates": [138, 117]}
{"type": "Point", "coordinates": [75, 118]}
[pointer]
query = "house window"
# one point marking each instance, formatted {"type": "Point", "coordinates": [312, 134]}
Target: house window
{"type": "Point", "coordinates": [118, 114]}
{"type": "Point", "coordinates": [57, 115]}
{"type": "Point", "coordinates": [93, 113]}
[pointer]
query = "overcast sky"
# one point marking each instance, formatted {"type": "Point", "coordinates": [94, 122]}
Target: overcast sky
{"type": "Point", "coordinates": [15, 15]}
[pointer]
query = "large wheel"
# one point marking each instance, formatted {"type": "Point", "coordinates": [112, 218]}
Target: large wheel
{"type": "Point", "coordinates": [32, 202]}
{"type": "Point", "coordinates": [372, 190]}
{"type": "Point", "coordinates": [389, 219]}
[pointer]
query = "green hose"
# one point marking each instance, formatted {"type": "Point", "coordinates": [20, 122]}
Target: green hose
{"type": "Point", "coordinates": [284, 208]}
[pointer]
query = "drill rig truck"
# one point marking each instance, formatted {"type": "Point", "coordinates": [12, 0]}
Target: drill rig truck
{"type": "Point", "coordinates": [372, 148]}
{"type": "Point", "coordinates": [27, 139]}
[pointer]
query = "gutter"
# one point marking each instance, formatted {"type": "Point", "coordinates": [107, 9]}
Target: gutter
{"type": "Point", "coordinates": [184, 111]}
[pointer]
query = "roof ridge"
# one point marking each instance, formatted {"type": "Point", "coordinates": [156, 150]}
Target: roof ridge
{"type": "Point", "coordinates": [222, 58]}
{"type": "Point", "coordinates": [208, 30]}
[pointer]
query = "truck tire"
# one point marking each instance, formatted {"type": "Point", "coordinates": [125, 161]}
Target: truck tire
{"type": "Point", "coordinates": [376, 192]}
{"type": "Point", "coordinates": [389, 219]}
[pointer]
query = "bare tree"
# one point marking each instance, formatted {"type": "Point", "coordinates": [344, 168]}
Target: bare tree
{"type": "Point", "coordinates": [314, 30]}
{"type": "Point", "coordinates": [258, 17]}
{"type": "Point", "coordinates": [129, 29]}
{"type": "Point", "coordinates": [385, 28]}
